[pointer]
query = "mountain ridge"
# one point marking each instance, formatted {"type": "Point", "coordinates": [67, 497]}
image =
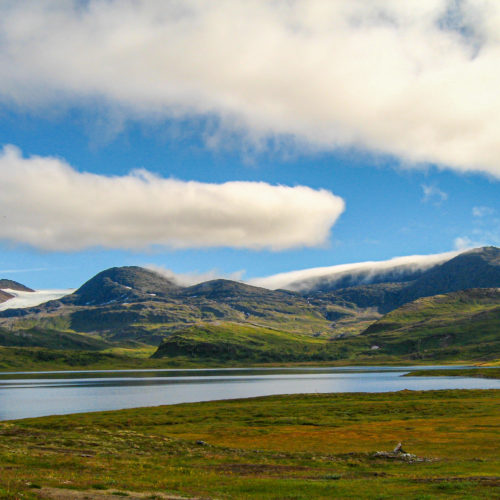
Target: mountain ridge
{"type": "Point", "coordinates": [132, 305]}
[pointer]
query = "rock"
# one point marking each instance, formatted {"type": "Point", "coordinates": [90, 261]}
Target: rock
{"type": "Point", "coordinates": [399, 448]}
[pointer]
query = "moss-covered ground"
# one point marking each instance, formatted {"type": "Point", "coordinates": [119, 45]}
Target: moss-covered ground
{"type": "Point", "coordinates": [458, 372]}
{"type": "Point", "coordinates": [280, 447]}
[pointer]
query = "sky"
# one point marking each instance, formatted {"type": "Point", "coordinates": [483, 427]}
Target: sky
{"type": "Point", "coordinates": [243, 139]}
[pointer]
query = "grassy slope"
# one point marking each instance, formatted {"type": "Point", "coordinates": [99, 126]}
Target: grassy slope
{"type": "Point", "coordinates": [458, 327]}
{"type": "Point", "coordinates": [300, 447]}
{"type": "Point", "coordinates": [40, 359]}
{"type": "Point", "coordinates": [51, 339]}
{"type": "Point", "coordinates": [149, 321]}
{"type": "Point", "coordinates": [461, 325]}
{"type": "Point", "coordinates": [243, 342]}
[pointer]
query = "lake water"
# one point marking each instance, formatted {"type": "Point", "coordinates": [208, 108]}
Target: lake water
{"type": "Point", "coordinates": [47, 393]}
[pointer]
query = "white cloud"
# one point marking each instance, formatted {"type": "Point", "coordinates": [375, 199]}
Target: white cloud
{"type": "Point", "coordinates": [303, 279]}
{"type": "Point", "coordinates": [193, 278]}
{"type": "Point", "coordinates": [482, 211]}
{"type": "Point", "coordinates": [31, 299]}
{"type": "Point", "coordinates": [480, 237]}
{"type": "Point", "coordinates": [433, 194]}
{"type": "Point", "coordinates": [463, 243]}
{"type": "Point", "coordinates": [416, 79]}
{"type": "Point", "coordinates": [45, 203]}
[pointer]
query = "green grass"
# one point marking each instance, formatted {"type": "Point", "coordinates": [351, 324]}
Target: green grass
{"type": "Point", "coordinates": [244, 342]}
{"type": "Point", "coordinates": [279, 447]}
{"type": "Point", "coordinates": [462, 325]}
{"type": "Point", "coordinates": [465, 372]}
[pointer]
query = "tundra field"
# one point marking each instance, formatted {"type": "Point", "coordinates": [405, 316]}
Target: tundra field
{"type": "Point", "coordinates": [281, 447]}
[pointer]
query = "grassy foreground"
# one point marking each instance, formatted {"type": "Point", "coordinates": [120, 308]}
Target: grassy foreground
{"type": "Point", "coordinates": [280, 447]}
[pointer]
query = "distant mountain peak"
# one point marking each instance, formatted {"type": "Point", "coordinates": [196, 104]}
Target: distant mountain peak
{"type": "Point", "coordinates": [123, 284]}
{"type": "Point", "coordinates": [6, 284]}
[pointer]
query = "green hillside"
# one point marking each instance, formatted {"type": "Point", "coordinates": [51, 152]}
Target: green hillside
{"type": "Point", "coordinates": [131, 304]}
{"type": "Point", "coordinates": [460, 325]}
{"type": "Point", "coordinates": [243, 342]}
{"type": "Point", "coordinates": [223, 321]}
{"type": "Point", "coordinates": [52, 339]}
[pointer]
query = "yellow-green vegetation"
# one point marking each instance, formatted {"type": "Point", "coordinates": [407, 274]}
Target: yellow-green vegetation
{"type": "Point", "coordinates": [317, 446]}
{"type": "Point", "coordinates": [41, 359]}
{"type": "Point", "coordinates": [15, 359]}
{"type": "Point", "coordinates": [460, 325]}
{"type": "Point", "coordinates": [457, 372]}
{"type": "Point", "coordinates": [243, 342]}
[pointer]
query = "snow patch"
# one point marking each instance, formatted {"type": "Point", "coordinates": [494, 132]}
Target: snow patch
{"type": "Point", "coordinates": [31, 299]}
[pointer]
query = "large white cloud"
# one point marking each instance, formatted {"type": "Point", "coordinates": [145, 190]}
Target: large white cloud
{"type": "Point", "coordinates": [418, 79]}
{"type": "Point", "coordinates": [45, 203]}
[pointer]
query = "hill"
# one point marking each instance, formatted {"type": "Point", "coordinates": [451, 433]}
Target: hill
{"type": "Point", "coordinates": [51, 339]}
{"type": "Point", "coordinates": [478, 268]}
{"type": "Point", "coordinates": [6, 285]}
{"type": "Point", "coordinates": [459, 325]}
{"type": "Point", "coordinates": [4, 296]}
{"type": "Point", "coordinates": [13, 285]}
{"type": "Point", "coordinates": [122, 284]}
{"type": "Point", "coordinates": [134, 304]}
{"type": "Point", "coordinates": [242, 342]}
{"type": "Point", "coordinates": [327, 279]}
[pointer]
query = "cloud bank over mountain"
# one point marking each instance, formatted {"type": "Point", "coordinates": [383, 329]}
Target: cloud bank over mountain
{"type": "Point", "coordinates": [47, 204]}
{"type": "Point", "coordinates": [418, 80]}
{"type": "Point", "coordinates": [363, 272]}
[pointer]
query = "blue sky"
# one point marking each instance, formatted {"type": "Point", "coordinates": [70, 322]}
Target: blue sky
{"type": "Point", "coordinates": [404, 192]}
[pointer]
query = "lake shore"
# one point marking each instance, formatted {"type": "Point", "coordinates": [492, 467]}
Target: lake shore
{"type": "Point", "coordinates": [492, 372]}
{"type": "Point", "coordinates": [15, 359]}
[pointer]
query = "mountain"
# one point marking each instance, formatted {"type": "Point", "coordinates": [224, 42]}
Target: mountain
{"type": "Point", "coordinates": [7, 285]}
{"type": "Point", "coordinates": [229, 342]}
{"type": "Point", "coordinates": [122, 284]}
{"type": "Point", "coordinates": [134, 304]}
{"type": "Point", "coordinates": [458, 325]}
{"type": "Point", "coordinates": [4, 296]}
{"type": "Point", "coordinates": [326, 279]}
{"type": "Point", "coordinates": [478, 268]}
{"type": "Point", "coordinates": [13, 285]}
{"type": "Point", "coordinates": [131, 305]}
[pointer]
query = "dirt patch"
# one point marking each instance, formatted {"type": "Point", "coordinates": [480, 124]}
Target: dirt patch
{"type": "Point", "coordinates": [63, 494]}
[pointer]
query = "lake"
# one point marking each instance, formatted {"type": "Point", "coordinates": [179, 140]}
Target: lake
{"type": "Point", "coordinates": [37, 394]}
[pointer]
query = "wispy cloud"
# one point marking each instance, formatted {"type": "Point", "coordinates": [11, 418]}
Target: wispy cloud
{"type": "Point", "coordinates": [49, 205]}
{"type": "Point", "coordinates": [479, 237]}
{"type": "Point", "coordinates": [482, 211]}
{"type": "Point", "coordinates": [418, 80]}
{"type": "Point", "coordinates": [27, 270]}
{"type": "Point", "coordinates": [193, 278]}
{"type": "Point", "coordinates": [432, 194]}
